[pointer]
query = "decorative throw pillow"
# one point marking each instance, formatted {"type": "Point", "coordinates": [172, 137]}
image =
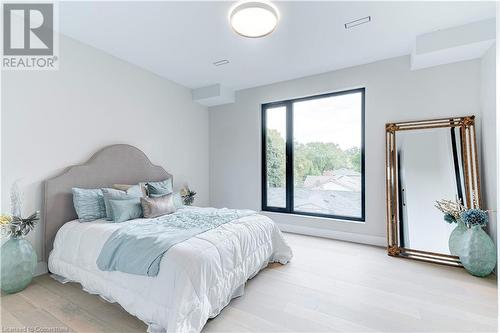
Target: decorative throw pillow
{"type": "Point", "coordinates": [154, 207]}
{"type": "Point", "coordinates": [89, 204]}
{"type": "Point", "coordinates": [126, 187]}
{"type": "Point", "coordinates": [177, 198]}
{"type": "Point", "coordinates": [112, 194]}
{"type": "Point", "coordinates": [163, 187]}
{"type": "Point", "coordinates": [126, 209]}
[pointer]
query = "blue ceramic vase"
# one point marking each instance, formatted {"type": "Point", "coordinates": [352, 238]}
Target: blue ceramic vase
{"type": "Point", "coordinates": [478, 255]}
{"type": "Point", "coordinates": [455, 243]}
{"type": "Point", "coordinates": [18, 261]}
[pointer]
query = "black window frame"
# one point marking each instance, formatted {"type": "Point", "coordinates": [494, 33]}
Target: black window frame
{"type": "Point", "coordinates": [289, 190]}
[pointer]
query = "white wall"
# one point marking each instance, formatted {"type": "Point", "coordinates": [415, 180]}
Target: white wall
{"type": "Point", "coordinates": [54, 119]}
{"type": "Point", "coordinates": [489, 137]}
{"type": "Point", "coordinates": [393, 93]}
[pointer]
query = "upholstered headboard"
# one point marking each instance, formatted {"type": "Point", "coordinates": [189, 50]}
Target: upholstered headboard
{"type": "Point", "coordinates": [117, 164]}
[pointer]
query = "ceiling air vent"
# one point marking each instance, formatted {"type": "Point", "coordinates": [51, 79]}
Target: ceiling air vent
{"type": "Point", "coordinates": [357, 22]}
{"type": "Point", "coordinates": [221, 62]}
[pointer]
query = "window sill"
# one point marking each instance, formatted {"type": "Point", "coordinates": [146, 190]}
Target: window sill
{"type": "Point", "coordinates": [313, 217]}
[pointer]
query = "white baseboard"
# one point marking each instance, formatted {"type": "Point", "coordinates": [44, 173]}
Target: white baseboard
{"type": "Point", "coordinates": [332, 234]}
{"type": "Point", "coordinates": [41, 268]}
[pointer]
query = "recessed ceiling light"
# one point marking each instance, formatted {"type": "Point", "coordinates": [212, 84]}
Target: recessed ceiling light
{"type": "Point", "coordinates": [221, 62]}
{"type": "Point", "coordinates": [254, 19]}
{"type": "Point", "coordinates": [357, 22]}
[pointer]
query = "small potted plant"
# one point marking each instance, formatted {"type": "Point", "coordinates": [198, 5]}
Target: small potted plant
{"type": "Point", "coordinates": [187, 195]}
{"type": "Point", "coordinates": [18, 259]}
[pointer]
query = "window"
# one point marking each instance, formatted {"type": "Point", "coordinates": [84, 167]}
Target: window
{"type": "Point", "coordinates": [313, 156]}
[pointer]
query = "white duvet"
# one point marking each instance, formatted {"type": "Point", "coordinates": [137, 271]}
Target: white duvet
{"type": "Point", "coordinates": [197, 277]}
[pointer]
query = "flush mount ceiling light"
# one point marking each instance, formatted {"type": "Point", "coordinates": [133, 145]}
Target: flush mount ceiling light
{"type": "Point", "coordinates": [254, 19]}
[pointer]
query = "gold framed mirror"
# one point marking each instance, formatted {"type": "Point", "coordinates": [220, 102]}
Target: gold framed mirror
{"type": "Point", "coordinates": [427, 161]}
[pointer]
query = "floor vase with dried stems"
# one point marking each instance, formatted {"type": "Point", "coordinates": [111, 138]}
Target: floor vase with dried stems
{"type": "Point", "coordinates": [18, 261]}
{"type": "Point", "coordinates": [478, 254]}
{"type": "Point", "coordinates": [455, 243]}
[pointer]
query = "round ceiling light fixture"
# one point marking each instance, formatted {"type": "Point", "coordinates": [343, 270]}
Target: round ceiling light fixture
{"type": "Point", "coordinates": [254, 19]}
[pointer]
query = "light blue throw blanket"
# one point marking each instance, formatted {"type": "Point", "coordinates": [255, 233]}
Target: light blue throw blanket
{"type": "Point", "coordinates": [138, 247]}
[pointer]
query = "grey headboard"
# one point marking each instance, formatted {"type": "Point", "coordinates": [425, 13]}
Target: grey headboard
{"type": "Point", "coordinates": [117, 164]}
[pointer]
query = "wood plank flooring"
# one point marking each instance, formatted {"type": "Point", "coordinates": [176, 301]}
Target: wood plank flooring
{"type": "Point", "coordinates": [330, 286]}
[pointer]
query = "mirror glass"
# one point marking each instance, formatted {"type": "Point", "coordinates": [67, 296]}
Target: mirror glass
{"type": "Point", "coordinates": [429, 168]}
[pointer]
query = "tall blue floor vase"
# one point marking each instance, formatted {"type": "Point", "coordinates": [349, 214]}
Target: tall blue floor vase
{"type": "Point", "coordinates": [478, 254]}
{"type": "Point", "coordinates": [18, 261]}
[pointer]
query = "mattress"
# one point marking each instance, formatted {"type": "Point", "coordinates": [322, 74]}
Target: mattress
{"type": "Point", "coordinates": [197, 277]}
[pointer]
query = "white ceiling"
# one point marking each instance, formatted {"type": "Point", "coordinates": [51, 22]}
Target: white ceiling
{"type": "Point", "coordinates": [181, 40]}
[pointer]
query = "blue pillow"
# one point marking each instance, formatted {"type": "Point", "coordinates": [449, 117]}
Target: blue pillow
{"type": "Point", "coordinates": [126, 209]}
{"type": "Point", "coordinates": [111, 194]}
{"type": "Point", "coordinates": [89, 204]}
{"type": "Point", "coordinates": [160, 188]}
{"type": "Point", "coordinates": [178, 203]}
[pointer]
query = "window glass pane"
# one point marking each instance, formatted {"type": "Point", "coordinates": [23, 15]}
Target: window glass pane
{"type": "Point", "coordinates": [327, 155]}
{"type": "Point", "coordinates": [276, 156]}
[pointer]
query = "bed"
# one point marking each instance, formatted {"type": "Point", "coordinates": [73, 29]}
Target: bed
{"type": "Point", "coordinates": [197, 277]}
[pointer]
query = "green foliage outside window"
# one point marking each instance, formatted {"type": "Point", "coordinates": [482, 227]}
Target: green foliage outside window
{"type": "Point", "coordinates": [310, 159]}
{"type": "Point", "coordinates": [275, 159]}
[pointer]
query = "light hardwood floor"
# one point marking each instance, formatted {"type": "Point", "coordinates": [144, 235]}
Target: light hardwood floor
{"type": "Point", "coordinates": [330, 286]}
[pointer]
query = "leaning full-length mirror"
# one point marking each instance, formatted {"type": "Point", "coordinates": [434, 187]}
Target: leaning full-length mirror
{"type": "Point", "coordinates": [428, 161]}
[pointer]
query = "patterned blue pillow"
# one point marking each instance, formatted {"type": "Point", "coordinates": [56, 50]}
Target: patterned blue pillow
{"type": "Point", "coordinates": [112, 194]}
{"type": "Point", "coordinates": [163, 187]}
{"type": "Point", "coordinates": [89, 204]}
{"type": "Point", "coordinates": [126, 209]}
